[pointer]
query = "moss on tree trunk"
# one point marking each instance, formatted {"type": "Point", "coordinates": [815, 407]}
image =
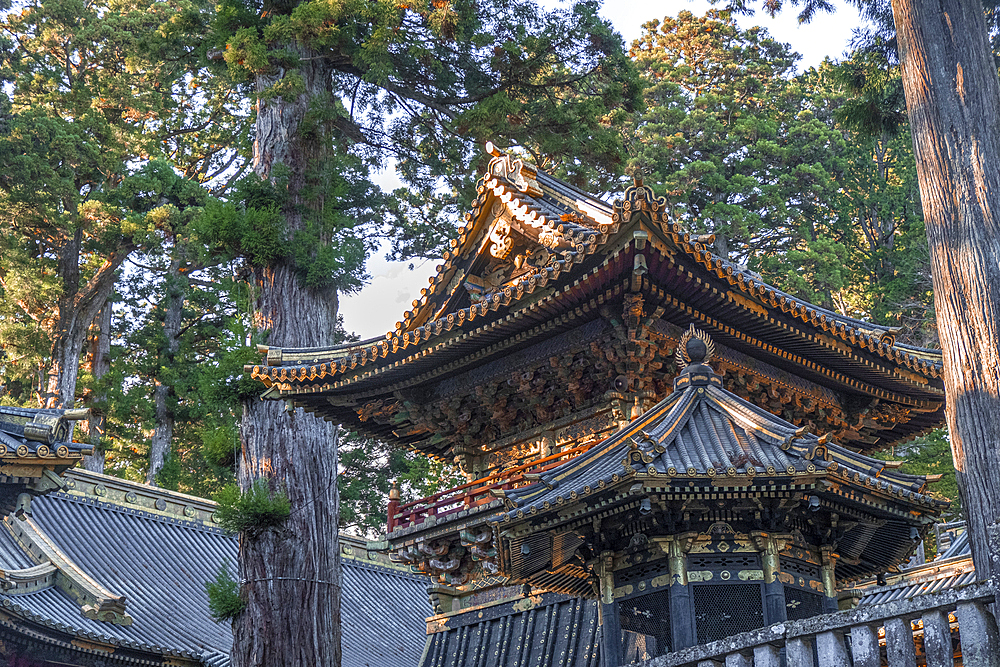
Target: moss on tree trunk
{"type": "Point", "coordinates": [290, 575]}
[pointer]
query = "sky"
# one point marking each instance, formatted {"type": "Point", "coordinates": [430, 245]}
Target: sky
{"type": "Point", "coordinates": [377, 307]}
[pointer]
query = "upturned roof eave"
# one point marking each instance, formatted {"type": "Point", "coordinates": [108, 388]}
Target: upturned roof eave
{"type": "Point", "coordinates": [602, 467]}
{"type": "Point", "coordinates": [389, 351]}
{"type": "Point", "coordinates": [313, 371]}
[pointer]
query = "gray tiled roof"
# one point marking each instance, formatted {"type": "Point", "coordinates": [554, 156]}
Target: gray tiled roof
{"type": "Point", "coordinates": [383, 616]}
{"type": "Point", "coordinates": [160, 563]}
{"type": "Point", "coordinates": [959, 547]}
{"type": "Point", "coordinates": [561, 631]}
{"type": "Point", "coordinates": [952, 568]}
{"type": "Point", "coordinates": [12, 556]}
{"type": "Point", "coordinates": [160, 566]}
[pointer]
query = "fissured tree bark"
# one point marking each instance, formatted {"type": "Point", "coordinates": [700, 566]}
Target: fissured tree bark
{"type": "Point", "coordinates": [953, 99]}
{"type": "Point", "coordinates": [75, 311]}
{"type": "Point", "coordinates": [290, 576]}
{"type": "Point", "coordinates": [100, 363]}
{"type": "Point", "coordinates": [173, 312]}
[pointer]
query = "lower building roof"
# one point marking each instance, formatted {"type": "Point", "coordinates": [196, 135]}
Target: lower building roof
{"type": "Point", "coordinates": [123, 566]}
{"type": "Point", "coordinates": [952, 568]}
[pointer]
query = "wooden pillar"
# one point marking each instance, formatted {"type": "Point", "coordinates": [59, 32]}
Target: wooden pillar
{"type": "Point", "coordinates": [774, 590]}
{"type": "Point", "coordinates": [769, 545]}
{"type": "Point", "coordinates": [682, 622]}
{"type": "Point", "coordinates": [611, 634]}
{"type": "Point", "coordinates": [548, 445]}
{"type": "Point", "coordinates": [828, 573]}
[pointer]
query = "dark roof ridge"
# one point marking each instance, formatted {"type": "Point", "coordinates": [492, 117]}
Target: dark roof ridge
{"type": "Point", "coordinates": [96, 601]}
{"type": "Point", "coordinates": [142, 513]}
{"type": "Point", "coordinates": [382, 569]}
{"type": "Point", "coordinates": [346, 347]}
{"type": "Point", "coordinates": [551, 180]}
{"type": "Point", "coordinates": [11, 603]}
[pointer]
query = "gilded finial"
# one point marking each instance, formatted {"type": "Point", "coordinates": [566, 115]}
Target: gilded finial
{"type": "Point", "coordinates": [696, 347]}
{"type": "Point", "coordinates": [693, 353]}
{"type": "Point", "coordinates": [394, 491]}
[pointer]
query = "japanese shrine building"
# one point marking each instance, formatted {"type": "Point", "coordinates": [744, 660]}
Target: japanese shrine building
{"type": "Point", "coordinates": [661, 449]}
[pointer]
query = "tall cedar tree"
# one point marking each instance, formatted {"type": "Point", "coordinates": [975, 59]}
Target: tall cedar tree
{"type": "Point", "coordinates": [96, 88]}
{"type": "Point", "coordinates": [425, 81]}
{"type": "Point", "coordinates": [892, 283]}
{"type": "Point", "coordinates": [180, 342]}
{"type": "Point", "coordinates": [952, 93]}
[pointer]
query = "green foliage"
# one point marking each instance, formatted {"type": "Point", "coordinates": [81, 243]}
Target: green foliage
{"type": "Point", "coordinates": [741, 149]}
{"type": "Point", "coordinates": [104, 151]}
{"type": "Point", "coordinates": [368, 469]}
{"type": "Point", "coordinates": [931, 455]}
{"type": "Point", "coordinates": [426, 83]}
{"type": "Point", "coordinates": [327, 248]}
{"type": "Point", "coordinates": [224, 600]}
{"type": "Point", "coordinates": [252, 511]}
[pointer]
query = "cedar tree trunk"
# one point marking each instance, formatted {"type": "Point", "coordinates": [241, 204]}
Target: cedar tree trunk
{"type": "Point", "coordinates": [290, 576]}
{"type": "Point", "coordinates": [953, 101]}
{"type": "Point", "coordinates": [173, 310]}
{"type": "Point", "coordinates": [76, 309]}
{"type": "Point", "coordinates": [100, 363]}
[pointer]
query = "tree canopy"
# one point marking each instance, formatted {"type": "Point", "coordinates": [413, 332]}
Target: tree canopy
{"type": "Point", "coordinates": [129, 184]}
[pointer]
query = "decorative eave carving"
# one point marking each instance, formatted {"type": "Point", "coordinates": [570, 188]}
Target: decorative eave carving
{"type": "Point", "coordinates": [514, 171]}
{"type": "Point", "coordinates": [36, 447]}
{"type": "Point", "coordinates": [512, 304]}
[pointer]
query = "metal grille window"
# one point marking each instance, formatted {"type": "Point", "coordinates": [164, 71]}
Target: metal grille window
{"type": "Point", "coordinates": [645, 626]}
{"type": "Point", "coordinates": [802, 604]}
{"type": "Point", "coordinates": [727, 609]}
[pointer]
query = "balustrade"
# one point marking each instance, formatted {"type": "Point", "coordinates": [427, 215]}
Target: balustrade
{"type": "Point", "coordinates": [953, 627]}
{"type": "Point", "coordinates": [475, 493]}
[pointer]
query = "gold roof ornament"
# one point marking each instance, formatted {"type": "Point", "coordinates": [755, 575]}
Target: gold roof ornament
{"type": "Point", "coordinates": [695, 347]}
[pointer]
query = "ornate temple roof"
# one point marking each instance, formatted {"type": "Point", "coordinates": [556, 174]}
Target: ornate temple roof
{"type": "Point", "coordinates": [113, 569]}
{"type": "Point", "coordinates": [32, 436]}
{"type": "Point", "coordinates": [707, 443]}
{"type": "Point", "coordinates": [703, 431]}
{"type": "Point", "coordinates": [543, 269]}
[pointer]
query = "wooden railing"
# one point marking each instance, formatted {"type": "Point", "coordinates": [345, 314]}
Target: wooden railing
{"type": "Point", "coordinates": [475, 493]}
{"type": "Point", "coordinates": [868, 636]}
